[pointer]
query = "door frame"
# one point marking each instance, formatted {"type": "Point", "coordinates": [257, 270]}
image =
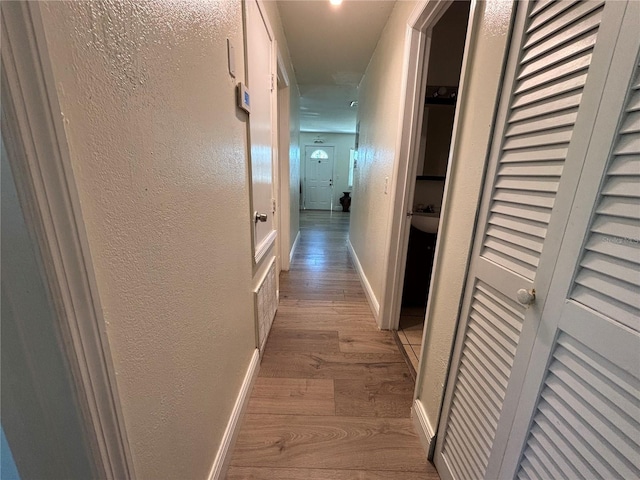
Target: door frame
{"type": "Point", "coordinates": [419, 32]}
{"type": "Point", "coordinates": [283, 190]}
{"type": "Point", "coordinates": [417, 42]}
{"type": "Point", "coordinates": [47, 189]}
{"type": "Point", "coordinates": [304, 172]}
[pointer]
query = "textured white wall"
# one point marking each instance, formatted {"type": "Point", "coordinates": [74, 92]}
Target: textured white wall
{"type": "Point", "coordinates": [379, 115]}
{"type": "Point", "coordinates": [477, 105]}
{"type": "Point", "coordinates": [159, 154]}
{"type": "Point", "coordinates": [343, 143]}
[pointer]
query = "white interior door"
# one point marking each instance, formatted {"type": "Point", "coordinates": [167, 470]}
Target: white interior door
{"type": "Point", "coordinates": [260, 63]}
{"type": "Point", "coordinates": [558, 62]}
{"type": "Point", "coordinates": [579, 411]}
{"type": "Point", "coordinates": [318, 177]}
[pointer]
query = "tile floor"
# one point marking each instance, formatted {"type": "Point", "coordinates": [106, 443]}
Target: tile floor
{"type": "Point", "coordinates": [410, 332]}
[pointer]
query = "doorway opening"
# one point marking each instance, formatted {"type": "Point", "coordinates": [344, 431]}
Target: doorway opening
{"type": "Point", "coordinates": [318, 177]}
{"type": "Point", "coordinates": [327, 170]}
{"type": "Point", "coordinates": [441, 74]}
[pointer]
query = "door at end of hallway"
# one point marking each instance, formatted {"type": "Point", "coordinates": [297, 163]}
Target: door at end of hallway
{"type": "Point", "coordinates": [318, 177]}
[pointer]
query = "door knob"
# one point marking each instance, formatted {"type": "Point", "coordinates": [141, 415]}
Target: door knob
{"type": "Point", "coordinates": [259, 217]}
{"type": "Point", "coordinates": [526, 297]}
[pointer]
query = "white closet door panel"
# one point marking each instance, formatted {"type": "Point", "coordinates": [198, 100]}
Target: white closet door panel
{"type": "Point", "coordinates": [551, 77]}
{"type": "Point", "coordinates": [578, 413]}
{"type": "Point", "coordinates": [560, 53]}
{"type": "Point", "coordinates": [609, 274]}
{"type": "Point", "coordinates": [490, 342]}
{"type": "Point", "coordinates": [587, 418]}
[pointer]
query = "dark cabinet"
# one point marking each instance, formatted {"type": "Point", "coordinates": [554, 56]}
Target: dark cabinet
{"type": "Point", "coordinates": [417, 276]}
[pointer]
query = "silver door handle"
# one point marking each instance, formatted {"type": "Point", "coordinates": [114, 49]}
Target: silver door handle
{"type": "Point", "coordinates": [259, 217]}
{"type": "Point", "coordinates": [526, 297]}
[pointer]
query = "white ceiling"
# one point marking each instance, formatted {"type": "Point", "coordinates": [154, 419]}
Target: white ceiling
{"type": "Point", "coordinates": [330, 49]}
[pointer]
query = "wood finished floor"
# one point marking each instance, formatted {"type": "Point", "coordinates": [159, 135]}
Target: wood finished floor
{"type": "Point", "coordinates": [333, 396]}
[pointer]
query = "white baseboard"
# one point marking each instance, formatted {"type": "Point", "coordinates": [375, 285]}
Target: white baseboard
{"type": "Point", "coordinates": [293, 248]}
{"type": "Point", "coordinates": [368, 291]}
{"type": "Point", "coordinates": [223, 457]}
{"type": "Point", "coordinates": [423, 427]}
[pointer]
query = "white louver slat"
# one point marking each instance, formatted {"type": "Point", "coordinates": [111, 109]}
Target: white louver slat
{"type": "Point", "coordinates": [555, 125]}
{"type": "Point", "coordinates": [587, 419]}
{"type": "Point", "coordinates": [551, 76]}
{"type": "Point", "coordinates": [487, 357]}
{"type": "Point", "coordinates": [547, 92]}
{"type": "Point", "coordinates": [578, 413]}
{"type": "Point", "coordinates": [608, 280]}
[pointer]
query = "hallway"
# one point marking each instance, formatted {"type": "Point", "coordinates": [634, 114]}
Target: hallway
{"type": "Point", "coordinates": [333, 396]}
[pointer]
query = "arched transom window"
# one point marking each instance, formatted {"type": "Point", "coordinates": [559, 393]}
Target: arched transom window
{"type": "Point", "coordinates": [319, 154]}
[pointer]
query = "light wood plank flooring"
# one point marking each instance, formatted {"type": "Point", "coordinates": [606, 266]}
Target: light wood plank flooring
{"type": "Point", "coordinates": [333, 397]}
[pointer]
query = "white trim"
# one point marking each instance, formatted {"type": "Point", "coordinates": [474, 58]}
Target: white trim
{"type": "Point", "coordinates": [265, 19]}
{"type": "Point", "coordinates": [424, 17]}
{"type": "Point", "coordinates": [368, 291]}
{"type": "Point", "coordinates": [223, 457]}
{"type": "Point", "coordinates": [264, 247]}
{"type": "Point", "coordinates": [283, 192]}
{"type": "Point", "coordinates": [423, 428]}
{"type": "Point", "coordinates": [417, 44]}
{"type": "Point", "coordinates": [444, 226]}
{"type": "Point", "coordinates": [293, 248]}
{"type": "Point", "coordinates": [282, 70]}
{"type": "Point", "coordinates": [47, 181]}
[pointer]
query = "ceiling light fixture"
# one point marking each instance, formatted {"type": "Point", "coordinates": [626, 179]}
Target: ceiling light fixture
{"type": "Point", "coordinates": [353, 103]}
{"type": "Point", "coordinates": [335, 2]}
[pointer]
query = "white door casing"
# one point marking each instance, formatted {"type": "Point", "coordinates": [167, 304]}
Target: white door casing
{"type": "Point", "coordinates": [554, 79]}
{"type": "Point", "coordinates": [260, 81]}
{"type": "Point", "coordinates": [32, 119]}
{"type": "Point", "coordinates": [318, 191]}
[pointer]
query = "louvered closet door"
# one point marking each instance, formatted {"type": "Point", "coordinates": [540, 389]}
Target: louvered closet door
{"type": "Point", "coordinates": [558, 62]}
{"type": "Point", "coordinates": [579, 412]}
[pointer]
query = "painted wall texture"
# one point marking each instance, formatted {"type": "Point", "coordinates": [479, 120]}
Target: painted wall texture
{"type": "Point", "coordinates": [159, 152]}
{"type": "Point", "coordinates": [379, 115]}
{"type": "Point", "coordinates": [343, 143]}
{"type": "Point", "coordinates": [466, 166]}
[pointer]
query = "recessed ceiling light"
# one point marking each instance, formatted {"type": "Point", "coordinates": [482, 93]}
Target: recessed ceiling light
{"type": "Point", "coordinates": [335, 2]}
